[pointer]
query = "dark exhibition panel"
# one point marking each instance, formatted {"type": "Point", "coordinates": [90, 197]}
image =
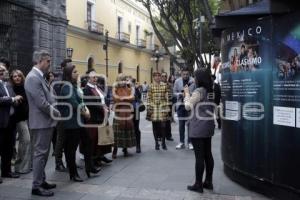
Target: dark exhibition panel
{"type": "Point", "coordinates": [261, 102]}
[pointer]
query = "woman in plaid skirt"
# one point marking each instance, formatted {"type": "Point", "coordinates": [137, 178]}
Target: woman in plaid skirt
{"type": "Point", "coordinates": [158, 109]}
{"type": "Point", "coordinates": [123, 95]}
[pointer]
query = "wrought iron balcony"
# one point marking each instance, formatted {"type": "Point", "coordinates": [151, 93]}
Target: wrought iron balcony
{"type": "Point", "coordinates": [95, 27]}
{"type": "Point", "coordinates": [123, 37]}
{"type": "Point", "coordinates": [141, 43]}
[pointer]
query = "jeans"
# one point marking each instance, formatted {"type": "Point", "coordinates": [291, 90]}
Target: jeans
{"type": "Point", "coordinates": [204, 159]}
{"type": "Point", "coordinates": [182, 113]}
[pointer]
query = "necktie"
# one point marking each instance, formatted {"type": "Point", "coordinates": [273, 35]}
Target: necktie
{"type": "Point", "coordinates": [12, 110]}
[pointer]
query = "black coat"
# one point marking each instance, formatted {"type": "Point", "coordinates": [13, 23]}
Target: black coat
{"type": "Point", "coordinates": [5, 105]}
{"type": "Point", "coordinates": [22, 110]}
{"type": "Point", "coordinates": [96, 111]}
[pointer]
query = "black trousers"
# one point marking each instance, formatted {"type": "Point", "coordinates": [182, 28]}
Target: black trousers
{"type": "Point", "coordinates": [72, 139]}
{"type": "Point", "coordinates": [59, 143]}
{"type": "Point", "coordinates": [7, 141]}
{"type": "Point", "coordinates": [137, 132]}
{"type": "Point", "coordinates": [168, 129]}
{"type": "Point", "coordinates": [159, 131]}
{"type": "Point", "coordinates": [204, 159]}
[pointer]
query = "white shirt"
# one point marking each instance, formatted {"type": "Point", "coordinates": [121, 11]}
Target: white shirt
{"type": "Point", "coordinates": [98, 91]}
{"type": "Point", "coordinates": [39, 71]}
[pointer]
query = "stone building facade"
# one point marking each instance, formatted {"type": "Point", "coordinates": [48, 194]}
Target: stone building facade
{"type": "Point", "coordinates": [29, 25]}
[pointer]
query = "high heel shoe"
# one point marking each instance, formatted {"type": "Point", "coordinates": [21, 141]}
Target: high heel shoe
{"type": "Point", "coordinates": [75, 178]}
{"type": "Point", "coordinates": [93, 170]}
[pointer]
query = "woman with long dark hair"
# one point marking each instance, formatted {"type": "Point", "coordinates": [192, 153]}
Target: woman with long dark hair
{"type": "Point", "coordinates": [201, 127]}
{"type": "Point", "coordinates": [73, 131]}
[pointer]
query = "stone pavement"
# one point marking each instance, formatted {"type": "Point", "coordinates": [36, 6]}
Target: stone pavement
{"type": "Point", "coordinates": [151, 175]}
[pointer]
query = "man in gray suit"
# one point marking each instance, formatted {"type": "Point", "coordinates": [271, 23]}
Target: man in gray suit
{"type": "Point", "coordinates": [41, 122]}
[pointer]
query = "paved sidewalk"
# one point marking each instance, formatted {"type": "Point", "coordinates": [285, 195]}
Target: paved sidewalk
{"type": "Point", "coordinates": [151, 175]}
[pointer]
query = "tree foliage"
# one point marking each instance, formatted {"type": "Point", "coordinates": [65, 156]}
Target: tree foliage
{"type": "Point", "coordinates": [173, 22]}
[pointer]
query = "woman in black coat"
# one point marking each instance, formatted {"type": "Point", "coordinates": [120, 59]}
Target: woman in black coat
{"type": "Point", "coordinates": [23, 159]}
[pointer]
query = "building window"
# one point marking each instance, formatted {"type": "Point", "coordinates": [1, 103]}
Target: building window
{"type": "Point", "coordinates": [129, 27]}
{"type": "Point", "coordinates": [137, 34]}
{"type": "Point", "coordinates": [120, 68]}
{"type": "Point", "coordinates": [138, 73]}
{"type": "Point", "coordinates": [119, 24]}
{"type": "Point", "coordinates": [89, 12]}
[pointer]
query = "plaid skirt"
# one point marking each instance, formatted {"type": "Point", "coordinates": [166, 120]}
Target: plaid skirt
{"type": "Point", "coordinates": [124, 136]}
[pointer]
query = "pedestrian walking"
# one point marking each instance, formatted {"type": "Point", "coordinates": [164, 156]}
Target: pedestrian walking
{"type": "Point", "coordinates": [41, 122]}
{"type": "Point", "coordinates": [158, 109]}
{"type": "Point", "coordinates": [23, 162]}
{"type": "Point", "coordinates": [123, 126]}
{"type": "Point", "coordinates": [201, 127]}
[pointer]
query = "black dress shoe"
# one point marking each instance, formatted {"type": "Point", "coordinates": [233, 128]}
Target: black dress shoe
{"type": "Point", "coordinates": [11, 175]}
{"type": "Point", "coordinates": [1, 181]}
{"type": "Point", "coordinates": [196, 188]}
{"type": "Point", "coordinates": [93, 170]}
{"type": "Point", "coordinates": [48, 186]}
{"type": "Point", "coordinates": [208, 185]}
{"type": "Point", "coordinates": [42, 192]}
{"type": "Point", "coordinates": [61, 168]}
{"type": "Point", "coordinates": [170, 139]}
{"type": "Point", "coordinates": [76, 178]}
{"type": "Point", "coordinates": [164, 147]}
{"type": "Point", "coordinates": [106, 160]}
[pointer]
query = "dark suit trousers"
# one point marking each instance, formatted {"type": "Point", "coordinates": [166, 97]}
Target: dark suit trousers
{"type": "Point", "coordinates": [7, 140]}
{"type": "Point", "coordinates": [41, 147]}
{"type": "Point", "coordinates": [60, 143]}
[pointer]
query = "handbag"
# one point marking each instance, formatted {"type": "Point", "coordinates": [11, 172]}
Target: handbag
{"type": "Point", "coordinates": [105, 135]}
{"type": "Point", "coordinates": [142, 107]}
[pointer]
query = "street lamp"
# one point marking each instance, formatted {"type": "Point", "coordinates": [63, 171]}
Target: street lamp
{"type": "Point", "coordinates": [157, 56]}
{"type": "Point", "coordinates": [70, 52]}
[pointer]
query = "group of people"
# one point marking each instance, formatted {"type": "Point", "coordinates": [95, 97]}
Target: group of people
{"type": "Point", "coordinates": [42, 108]}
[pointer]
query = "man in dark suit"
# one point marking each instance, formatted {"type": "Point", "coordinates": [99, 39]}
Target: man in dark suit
{"type": "Point", "coordinates": [8, 100]}
{"type": "Point", "coordinates": [41, 120]}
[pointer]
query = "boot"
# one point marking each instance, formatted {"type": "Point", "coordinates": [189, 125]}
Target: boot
{"type": "Point", "coordinates": [114, 153]}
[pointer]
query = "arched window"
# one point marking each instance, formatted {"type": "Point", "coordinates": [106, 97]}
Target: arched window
{"type": "Point", "coordinates": [120, 67]}
{"type": "Point", "coordinates": [90, 66]}
{"type": "Point", "coordinates": [138, 73]}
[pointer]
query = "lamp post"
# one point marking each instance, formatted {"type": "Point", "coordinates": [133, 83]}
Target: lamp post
{"type": "Point", "coordinates": [198, 27]}
{"type": "Point", "coordinates": [157, 56]}
{"type": "Point", "coordinates": [105, 48]}
{"type": "Point", "coordinates": [69, 52]}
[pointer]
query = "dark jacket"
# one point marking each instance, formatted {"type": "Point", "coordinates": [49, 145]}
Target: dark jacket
{"type": "Point", "coordinates": [75, 102]}
{"type": "Point", "coordinates": [97, 111]}
{"type": "Point", "coordinates": [22, 110]}
{"type": "Point", "coordinates": [5, 104]}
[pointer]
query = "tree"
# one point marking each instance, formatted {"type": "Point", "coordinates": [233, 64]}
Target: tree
{"type": "Point", "coordinates": [175, 19]}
